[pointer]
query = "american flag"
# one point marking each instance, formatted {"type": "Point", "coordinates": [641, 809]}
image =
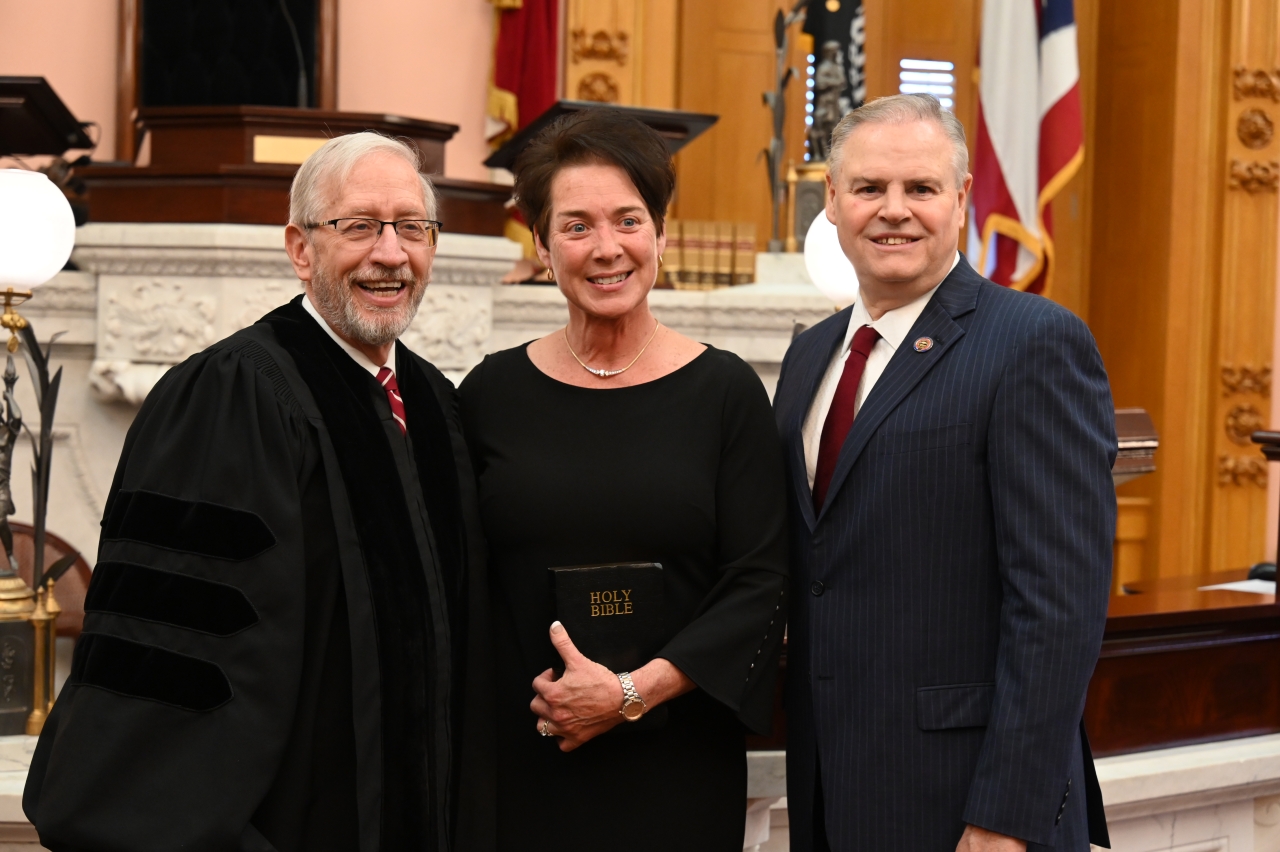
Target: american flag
{"type": "Point", "coordinates": [1030, 137]}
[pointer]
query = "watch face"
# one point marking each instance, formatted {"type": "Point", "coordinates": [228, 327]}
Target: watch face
{"type": "Point", "coordinates": [633, 710]}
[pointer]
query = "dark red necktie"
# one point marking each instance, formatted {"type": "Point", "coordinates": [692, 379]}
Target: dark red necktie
{"type": "Point", "coordinates": [840, 416]}
{"type": "Point", "coordinates": [387, 379]}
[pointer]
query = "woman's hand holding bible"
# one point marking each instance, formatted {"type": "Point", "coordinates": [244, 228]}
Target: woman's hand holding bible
{"type": "Point", "coordinates": [586, 701]}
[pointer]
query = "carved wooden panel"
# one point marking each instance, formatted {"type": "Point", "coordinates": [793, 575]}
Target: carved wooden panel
{"type": "Point", "coordinates": [621, 51]}
{"type": "Point", "coordinates": [1245, 329]}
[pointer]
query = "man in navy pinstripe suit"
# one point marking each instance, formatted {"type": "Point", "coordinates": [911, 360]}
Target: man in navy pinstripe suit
{"type": "Point", "coordinates": [950, 444]}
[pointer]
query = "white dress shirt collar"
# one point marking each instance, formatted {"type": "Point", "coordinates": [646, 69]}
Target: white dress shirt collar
{"type": "Point", "coordinates": [356, 355]}
{"type": "Point", "coordinates": [893, 325]}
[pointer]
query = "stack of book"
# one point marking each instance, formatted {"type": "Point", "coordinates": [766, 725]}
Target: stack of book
{"type": "Point", "coordinates": [708, 255]}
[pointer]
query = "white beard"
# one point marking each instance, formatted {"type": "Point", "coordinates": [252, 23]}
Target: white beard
{"type": "Point", "coordinates": [335, 302]}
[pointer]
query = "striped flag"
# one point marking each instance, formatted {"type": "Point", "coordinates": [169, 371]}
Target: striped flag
{"type": "Point", "coordinates": [1030, 137]}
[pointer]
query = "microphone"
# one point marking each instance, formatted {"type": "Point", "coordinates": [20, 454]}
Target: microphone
{"type": "Point", "coordinates": [303, 100]}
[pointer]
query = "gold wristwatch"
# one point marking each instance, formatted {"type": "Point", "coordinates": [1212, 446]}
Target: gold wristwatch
{"type": "Point", "coordinates": [633, 706]}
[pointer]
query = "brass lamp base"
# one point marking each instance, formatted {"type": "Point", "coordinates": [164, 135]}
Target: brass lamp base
{"type": "Point", "coordinates": [42, 702]}
{"type": "Point", "coordinates": [17, 600]}
{"type": "Point", "coordinates": [11, 319]}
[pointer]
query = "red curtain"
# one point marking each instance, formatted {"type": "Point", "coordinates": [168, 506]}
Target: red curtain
{"type": "Point", "coordinates": [524, 64]}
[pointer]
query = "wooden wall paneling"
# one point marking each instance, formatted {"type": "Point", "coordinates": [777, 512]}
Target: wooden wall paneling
{"type": "Point", "coordinates": [127, 78]}
{"type": "Point", "coordinates": [327, 55]}
{"type": "Point", "coordinates": [1131, 197]}
{"type": "Point", "coordinates": [924, 29]}
{"type": "Point", "coordinates": [882, 58]}
{"type": "Point", "coordinates": [1184, 476]}
{"type": "Point", "coordinates": [657, 53]}
{"type": "Point", "coordinates": [1246, 299]}
{"type": "Point", "coordinates": [726, 64]}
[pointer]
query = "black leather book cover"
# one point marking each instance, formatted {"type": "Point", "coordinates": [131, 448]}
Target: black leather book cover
{"type": "Point", "coordinates": [614, 615]}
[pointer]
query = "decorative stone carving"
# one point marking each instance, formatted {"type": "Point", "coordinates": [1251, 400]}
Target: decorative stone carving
{"type": "Point", "coordinates": [468, 272]}
{"type": "Point", "coordinates": [599, 87]}
{"type": "Point", "coordinates": [1256, 83]}
{"type": "Point", "coordinates": [185, 261]}
{"type": "Point", "coordinates": [601, 44]}
{"type": "Point", "coordinates": [1266, 822]}
{"type": "Point", "coordinates": [1236, 470]}
{"type": "Point", "coordinates": [452, 326]}
{"type": "Point", "coordinates": [250, 301]}
{"type": "Point", "coordinates": [155, 319]}
{"type": "Point", "coordinates": [66, 293]}
{"type": "Point", "coordinates": [1246, 379]}
{"type": "Point", "coordinates": [1254, 129]}
{"type": "Point", "coordinates": [124, 381]}
{"type": "Point", "coordinates": [1256, 176]}
{"type": "Point", "coordinates": [1242, 421]}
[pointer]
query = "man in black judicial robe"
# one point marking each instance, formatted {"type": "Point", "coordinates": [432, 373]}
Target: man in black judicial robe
{"type": "Point", "coordinates": [284, 643]}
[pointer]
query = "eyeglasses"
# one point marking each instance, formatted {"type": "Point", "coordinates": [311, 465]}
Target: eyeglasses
{"type": "Point", "coordinates": [363, 231]}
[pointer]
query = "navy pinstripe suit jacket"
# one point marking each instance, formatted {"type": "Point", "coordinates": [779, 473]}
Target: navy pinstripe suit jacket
{"type": "Point", "coordinates": [949, 600]}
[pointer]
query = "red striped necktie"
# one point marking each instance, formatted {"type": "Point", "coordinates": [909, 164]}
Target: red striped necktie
{"type": "Point", "coordinates": [840, 415]}
{"type": "Point", "coordinates": [387, 379]}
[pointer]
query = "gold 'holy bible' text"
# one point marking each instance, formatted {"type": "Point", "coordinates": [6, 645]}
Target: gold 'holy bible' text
{"type": "Point", "coordinates": [611, 603]}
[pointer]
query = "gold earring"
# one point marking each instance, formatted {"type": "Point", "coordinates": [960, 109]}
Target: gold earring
{"type": "Point", "coordinates": [551, 276]}
{"type": "Point", "coordinates": [659, 261]}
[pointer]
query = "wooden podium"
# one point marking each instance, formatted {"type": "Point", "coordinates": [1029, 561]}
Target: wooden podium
{"type": "Point", "coordinates": [235, 164]}
{"type": "Point", "coordinates": [1181, 666]}
{"type": "Point", "coordinates": [1178, 666]}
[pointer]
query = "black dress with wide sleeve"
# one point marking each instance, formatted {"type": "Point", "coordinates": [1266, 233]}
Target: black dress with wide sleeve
{"type": "Point", "coordinates": [686, 471]}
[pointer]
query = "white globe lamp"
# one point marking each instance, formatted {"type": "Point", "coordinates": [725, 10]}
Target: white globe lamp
{"type": "Point", "coordinates": [37, 233]}
{"type": "Point", "coordinates": [829, 269]}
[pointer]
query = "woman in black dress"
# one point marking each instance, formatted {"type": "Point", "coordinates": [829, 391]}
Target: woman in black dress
{"type": "Point", "coordinates": [615, 439]}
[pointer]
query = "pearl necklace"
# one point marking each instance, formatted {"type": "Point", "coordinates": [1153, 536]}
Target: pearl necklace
{"type": "Point", "coordinates": [608, 374]}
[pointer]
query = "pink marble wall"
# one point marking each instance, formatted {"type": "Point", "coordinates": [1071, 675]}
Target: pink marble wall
{"type": "Point", "coordinates": [72, 43]}
{"type": "Point", "coordinates": [417, 58]}
{"type": "Point", "coordinates": [421, 59]}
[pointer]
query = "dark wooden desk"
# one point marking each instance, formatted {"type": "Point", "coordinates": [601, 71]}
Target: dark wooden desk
{"type": "Point", "coordinates": [1178, 666]}
{"type": "Point", "coordinates": [1182, 666]}
{"type": "Point", "coordinates": [204, 168]}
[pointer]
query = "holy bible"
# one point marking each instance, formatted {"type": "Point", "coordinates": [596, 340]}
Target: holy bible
{"type": "Point", "coordinates": [614, 615]}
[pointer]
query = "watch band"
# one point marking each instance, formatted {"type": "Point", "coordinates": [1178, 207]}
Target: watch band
{"type": "Point", "coordinates": [630, 697]}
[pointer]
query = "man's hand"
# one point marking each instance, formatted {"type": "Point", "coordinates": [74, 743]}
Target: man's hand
{"type": "Point", "coordinates": [977, 839]}
{"type": "Point", "coordinates": [584, 703]}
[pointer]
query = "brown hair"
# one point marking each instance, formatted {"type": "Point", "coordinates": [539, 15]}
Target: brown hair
{"type": "Point", "coordinates": [602, 136]}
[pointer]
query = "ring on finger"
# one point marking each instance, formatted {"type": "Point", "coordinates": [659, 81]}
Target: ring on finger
{"type": "Point", "coordinates": [545, 730]}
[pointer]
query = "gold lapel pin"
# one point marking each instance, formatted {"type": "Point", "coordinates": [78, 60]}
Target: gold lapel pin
{"type": "Point", "coordinates": [924, 344]}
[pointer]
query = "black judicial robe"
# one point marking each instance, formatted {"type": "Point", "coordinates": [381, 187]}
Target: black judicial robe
{"type": "Point", "coordinates": [285, 642]}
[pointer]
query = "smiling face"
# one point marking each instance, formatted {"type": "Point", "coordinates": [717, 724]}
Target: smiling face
{"type": "Point", "coordinates": [602, 243]}
{"type": "Point", "coordinates": [367, 293]}
{"type": "Point", "coordinates": [897, 209]}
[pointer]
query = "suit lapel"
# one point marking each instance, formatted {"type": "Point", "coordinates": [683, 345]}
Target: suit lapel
{"type": "Point", "coordinates": [829, 336]}
{"type": "Point", "coordinates": [957, 295]}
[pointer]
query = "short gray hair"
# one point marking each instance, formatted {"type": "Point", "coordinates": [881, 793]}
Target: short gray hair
{"type": "Point", "coordinates": [900, 109]}
{"type": "Point", "coordinates": [334, 160]}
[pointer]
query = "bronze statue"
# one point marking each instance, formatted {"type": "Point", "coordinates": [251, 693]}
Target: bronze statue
{"type": "Point", "coordinates": [10, 430]}
{"type": "Point", "coordinates": [829, 106]}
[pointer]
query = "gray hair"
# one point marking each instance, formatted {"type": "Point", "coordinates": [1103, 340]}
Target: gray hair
{"type": "Point", "coordinates": [900, 109]}
{"type": "Point", "coordinates": [334, 160]}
